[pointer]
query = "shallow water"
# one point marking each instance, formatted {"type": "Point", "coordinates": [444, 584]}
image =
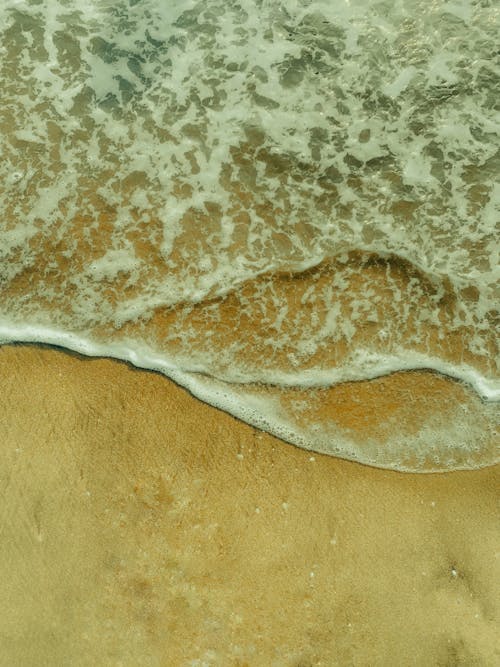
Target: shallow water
{"type": "Point", "coordinates": [263, 200]}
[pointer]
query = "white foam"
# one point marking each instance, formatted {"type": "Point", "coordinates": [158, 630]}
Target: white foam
{"type": "Point", "coordinates": [369, 366]}
{"type": "Point", "coordinates": [265, 412]}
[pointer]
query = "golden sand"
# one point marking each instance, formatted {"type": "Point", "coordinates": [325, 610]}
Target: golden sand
{"type": "Point", "coordinates": [141, 527]}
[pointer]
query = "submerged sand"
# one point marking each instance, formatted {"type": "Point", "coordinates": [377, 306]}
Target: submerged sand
{"type": "Point", "coordinates": [143, 527]}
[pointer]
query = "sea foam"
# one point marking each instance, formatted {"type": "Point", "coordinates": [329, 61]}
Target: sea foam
{"type": "Point", "coordinates": [261, 200]}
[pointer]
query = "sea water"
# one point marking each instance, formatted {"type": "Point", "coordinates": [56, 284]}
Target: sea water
{"type": "Point", "coordinates": [263, 200]}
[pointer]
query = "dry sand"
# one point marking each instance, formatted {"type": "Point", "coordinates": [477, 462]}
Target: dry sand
{"type": "Point", "coordinates": [142, 527]}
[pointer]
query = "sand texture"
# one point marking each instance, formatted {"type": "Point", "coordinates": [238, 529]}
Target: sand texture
{"type": "Point", "coordinates": [141, 527]}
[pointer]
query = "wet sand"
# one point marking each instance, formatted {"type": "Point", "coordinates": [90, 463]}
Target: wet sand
{"type": "Point", "coordinates": [142, 527]}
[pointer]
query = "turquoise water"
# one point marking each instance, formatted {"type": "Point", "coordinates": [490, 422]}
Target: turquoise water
{"type": "Point", "coordinates": [259, 198]}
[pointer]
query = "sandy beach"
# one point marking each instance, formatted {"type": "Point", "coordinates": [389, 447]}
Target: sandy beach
{"type": "Point", "coordinates": [291, 209]}
{"type": "Point", "coordinates": [143, 527]}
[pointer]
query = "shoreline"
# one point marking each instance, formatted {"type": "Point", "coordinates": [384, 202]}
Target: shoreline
{"type": "Point", "coordinates": [265, 407]}
{"type": "Point", "coordinates": [486, 389]}
{"type": "Point", "coordinates": [150, 528]}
